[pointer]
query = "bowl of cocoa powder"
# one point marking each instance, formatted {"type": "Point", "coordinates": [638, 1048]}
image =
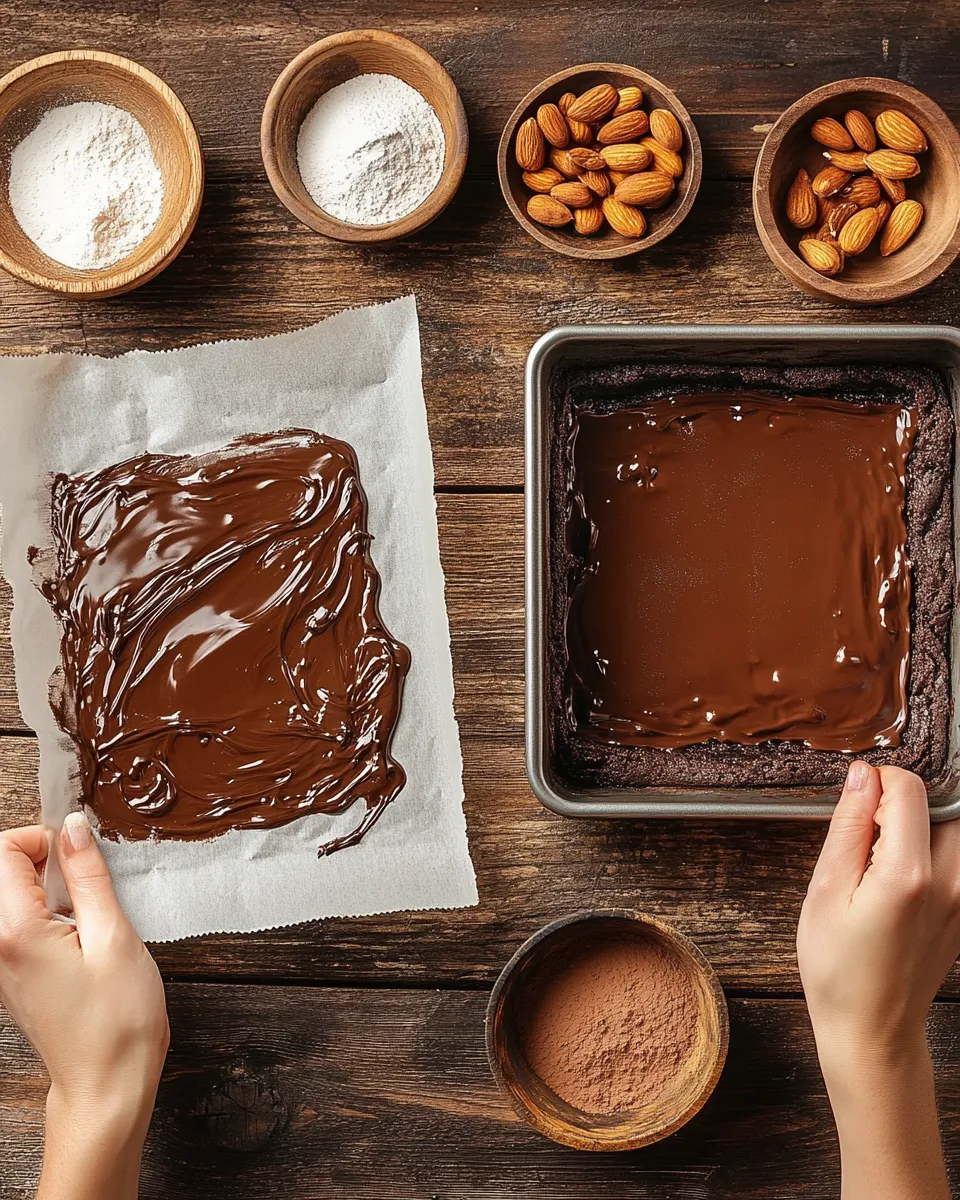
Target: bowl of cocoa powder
{"type": "Point", "coordinates": [607, 1030]}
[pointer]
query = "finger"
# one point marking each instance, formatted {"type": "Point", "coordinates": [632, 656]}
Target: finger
{"type": "Point", "coordinates": [846, 848]}
{"type": "Point", "coordinates": [95, 905]}
{"type": "Point", "coordinates": [902, 852]}
{"type": "Point", "coordinates": [21, 894]}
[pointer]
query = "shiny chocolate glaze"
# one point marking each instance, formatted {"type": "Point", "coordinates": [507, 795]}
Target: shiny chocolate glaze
{"type": "Point", "coordinates": [744, 571]}
{"type": "Point", "coordinates": [224, 664]}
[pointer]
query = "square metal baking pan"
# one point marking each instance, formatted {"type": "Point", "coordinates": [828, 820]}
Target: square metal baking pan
{"type": "Point", "coordinates": [731, 345]}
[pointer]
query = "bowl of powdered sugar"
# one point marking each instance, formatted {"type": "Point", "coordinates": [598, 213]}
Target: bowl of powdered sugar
{"type": "Point", "coordinates": [101, 173]}
{"type": "Point", "coordinates": [364, 137]}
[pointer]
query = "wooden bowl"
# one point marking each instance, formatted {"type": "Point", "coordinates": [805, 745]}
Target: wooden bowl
{"type": "Point", "coordinates": [608, 243]}
{"type": "Point", "coordinates": [333, 61]}
{"type": "Point", "coordinates": [867, 278]}
{"type": "Point", "coordinates": [64, 78]}
{"type": "Point", "coordinates": [538, 1104]}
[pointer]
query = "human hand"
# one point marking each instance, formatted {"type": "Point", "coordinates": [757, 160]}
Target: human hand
{"type": "Point", "coordinates": [88, 997]}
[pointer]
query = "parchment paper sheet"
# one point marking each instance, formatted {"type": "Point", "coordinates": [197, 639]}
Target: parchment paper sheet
{"type": "Point", "coordinates": [355, 376]}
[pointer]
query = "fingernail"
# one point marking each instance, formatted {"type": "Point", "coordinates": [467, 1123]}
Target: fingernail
{"type": "Point", "coordinates": [858, 776]}
{"type": "Point", "coordinates": [76, 831]}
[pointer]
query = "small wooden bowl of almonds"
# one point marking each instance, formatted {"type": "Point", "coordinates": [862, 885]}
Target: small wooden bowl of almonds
{"type": "Point", "coordinates": [856, 192]}
{"type": "Point", "coordinates": [600, 161]}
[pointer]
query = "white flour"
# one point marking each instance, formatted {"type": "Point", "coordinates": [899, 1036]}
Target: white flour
{"type": "Point", "coordinates": [84, 185]}
{"type": "Point", "coordinates": [370, 150]}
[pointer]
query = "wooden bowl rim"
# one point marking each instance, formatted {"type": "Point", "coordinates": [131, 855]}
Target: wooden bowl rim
{"type": "Point", "coordinates": [580, 1140]}
{"type": "Point", "coordinates": [783, 256]}
{"type": "Point", "coordinates": [109, 281]}
{"type": "Point", "coordinates": [311, 214]}
{"type": "Point", "coordinates": [595, 250]}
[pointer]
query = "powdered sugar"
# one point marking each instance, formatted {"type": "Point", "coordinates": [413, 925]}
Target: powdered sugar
{"type": "Point", "coordinates": [84, 185]}
{"type": "Point", "coordinates": [371, 150]}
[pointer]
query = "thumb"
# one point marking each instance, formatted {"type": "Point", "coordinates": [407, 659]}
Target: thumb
{"type": "Point", "coordinates": [846, 848]}
{"type": "Point", "coordinates": [95, 905]}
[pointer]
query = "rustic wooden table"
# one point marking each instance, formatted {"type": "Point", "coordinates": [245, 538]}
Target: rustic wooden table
{"type": "Point", "coordinates": [346, 1058]}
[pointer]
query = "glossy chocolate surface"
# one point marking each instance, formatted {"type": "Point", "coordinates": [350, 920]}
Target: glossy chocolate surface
{"type": "Point", "coordinates": [744, 571]}
{"type": "Point", "coordinates": [224, 661]}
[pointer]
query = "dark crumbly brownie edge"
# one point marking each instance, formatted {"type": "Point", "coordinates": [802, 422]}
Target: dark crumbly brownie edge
{"type": "Point", "coordinates": [583, 761]}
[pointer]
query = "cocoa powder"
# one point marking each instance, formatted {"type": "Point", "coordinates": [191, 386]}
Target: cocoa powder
{"type": "Point", "coordinates": [611, 1024]}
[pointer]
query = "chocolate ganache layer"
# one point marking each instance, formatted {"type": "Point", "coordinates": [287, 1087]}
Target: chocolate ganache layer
{"type": "Point", "coordinates": [224, 664]}
{"type": "Point", "coordinates": [737, 560]}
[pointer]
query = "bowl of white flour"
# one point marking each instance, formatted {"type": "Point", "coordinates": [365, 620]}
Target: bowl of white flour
{"type": "Point", "coordinates": [101, 173]}
{"type": "Point", "coordinates": [364, 137]}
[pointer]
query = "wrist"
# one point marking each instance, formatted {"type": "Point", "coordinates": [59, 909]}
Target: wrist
{"type": "Point", "coordinates": [112, 1117]}
{"type": "Point", "coordinates": [856, 1068]}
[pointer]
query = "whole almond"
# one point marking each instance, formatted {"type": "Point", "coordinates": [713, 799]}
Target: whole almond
{"type": "Point", "coordinates": [625, 128]}
{"type": "Point", "coordinates": [530, 150]}
{"type": "Point", "coordinates": [896, 189]}
{"type": "Point", "coordinates": [854, 162]}
{"type": "Point", "coordinates": [900, 132]}
{"type": "Point", "coordinates": [864, 191]}
{"type": "Point", "coordinates": [830, 180]}
{"type": "Point", "coordinates": [860, 128]}
{"type": "Point", "coordinates": [628, 98]}
{"type": "Point", "coordinates": [553, 126]}
{"type": "Point", "coordinates": [625, 220]}
{"type": "Point", "coordinates": [836, 213]}
{"type": "Point", "coordinates": [588, 220]}
{"type": "Point", "coordinates": [649, 189]}
{"type": "Point", "coordinates": [542, 180]}
{"type": "Point", "coordinates": [666, 129]}
{"type": "Point", "coordinates": [581, 134]}
{"type": "Point", "coordinates": [573, 194]}
{"type": "Point", "coordinates": [901, 226]}
{"type": "Point", "coordinates": [893, 164]}
{"type": "Point", "coordinates": [801, 202]}
{"type": "Point", "coordinates": [617, 177]}
{"type": "Point", "coordinates": [664, 159]}
{"type": "Point", "coordinates": [545, 210]}
{"type": "Point", "coordinates": [627, 156]}
{"type": "Point", "coordinates": [598, 182]}
{"type": "Point", "coordinates": [859, 231]}
{"type": "Point", "coordinates": [594, 104]}
{"type": "Point", "coordinates": [825, 257]}
{"type": "Point", "coordinates": [831, 133]}
{"type": "Point", "coordinates": [587, 159]}
{"type": "Point", "coordinates": [561, 161]}
{"type": "Point", "coordinates": [565, 101]}
{"type": "Point", "coordinates": [884, 208]}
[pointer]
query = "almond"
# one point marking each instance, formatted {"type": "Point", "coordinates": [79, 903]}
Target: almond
{"type": "Point", "coordinates": [830, 180]}
{"type": "Point", "coordinates": [666, 129]}
{"type": "Point", "coordinates": [545, 210]}
{"type": "Point", "coordinates": [900, 132]}
{"type": "Point", "coordinates": [892, 164]}
{"type": "Point", "coordinates": [598, 182]}
{"type": "Point", "coordinates": [587, 159]}
{"type": "Point", "coordinates": [896, 189]}
{"type": "Point", "coordinates": [836, 213]}
{"type": "Point", "coordinates": [617, 177]}
{"type": "Point", "coordinates": [581, 134]}
{"type": "Point", "coordinates": [594, 104]}
{"type": "Point", "coordinates": [561, 161]}
{"type": "Point", "coordinates": [859, 231]}
{"type": "Point", "coordinates": [624, 219]}
{"type": "Point", "coordinates": [588, 220]}
{"type": "Point", "coordinates": [542, 180]}
{"type": "Point", "coordinates": [853, 162]}
{"type": "Point", "coordinates": [565, 101]}
{"type": "Point", "coordinates": [825, 257]}
{"type": "Point", "coordinates": [553, 126]}
{"type": "Point", "coordinates": [861, 129]}
{"type": "Point", "coordinates": [884, 208]}
{"type": "Point", "coordinates": [831, 133]}
{"type": "Point", "coordinates": [628, 98]}
{"type": "Point", "coordinates": [649, 189]}
{"type": "Point", "coordinates": [625, 128]}
{"type": "Point", "coordinates": [664, 159]}
{"type": "Point", "coordinates": [627, 156]}
{"type": "Point", "coordinates": [573, 194]}
{"type": "Point", "coordinates": [901, 226]}
{"type": "Point", "coordinates": [530, 149]}
{"type": "Point", "coordinates": [801, 202]}
{"type": "Point", "coordinates": [864, 191]}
